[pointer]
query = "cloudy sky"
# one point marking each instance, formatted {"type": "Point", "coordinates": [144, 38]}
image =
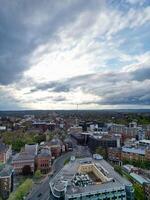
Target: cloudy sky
{"type": "Point", "coordinates": [55, 54]}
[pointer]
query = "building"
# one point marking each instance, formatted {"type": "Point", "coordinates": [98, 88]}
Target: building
{"type": "Point", "coordinates": [5, 152]}
{"type": "Point", "coordinates": [114, 155]}
{"type": "Point", "coordinates": [89, 178]}
{"type": "Point", "coordinates": [147, 132]}
{"type": "Point", "coordinates": [3, 128]}
{"type": "Point", "coordinates": [146, 187]}
{"type": "Point", "coordinates": [31, 149]}
{"type": "Point", "coordinates": [143, 182]}
{"type": "Point", "coordinates": [55, 146]}
{"type": "Point", "coordinates": [43, 161]}
{"type": "Point", "coordinates": [130, 131]}
{"type": "Point", "coordinates": [105, 140]}
{"type": "Point", "coordinates": [24, 162]}
{"type": "Point", "coordinates": [68, 144]}
{"type": "Point", "coordinates": [130, 168]}
{"type": "Point", "coordinates": [144, 143]}
{"type": "Point", "coordinates": [44, 125]}
{"type": "Point", "coordinates": [6, 181]}
{"type": "Point", "coordinates": [75, 129]}
{"type": "Point", "coordinates": [135, 153]}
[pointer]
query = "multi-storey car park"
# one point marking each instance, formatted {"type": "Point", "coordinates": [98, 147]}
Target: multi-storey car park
{"type": "Point", "coordinates": [90, 178]}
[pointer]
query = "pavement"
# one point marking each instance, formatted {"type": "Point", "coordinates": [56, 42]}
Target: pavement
{"type": "Point", "coordinates": [41, 191]}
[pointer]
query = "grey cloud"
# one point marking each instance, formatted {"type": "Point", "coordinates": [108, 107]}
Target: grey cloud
{"type": "Point", "coordinates": [59, 99]}
{"type": "Point", "coordinates": [113, 88]}
{"type": "Point", "coordinates": [26, 24]}
{"type": "Point", "coordinates": [142, 74]}
{"type": "Point", "coordinates": [9, 102]}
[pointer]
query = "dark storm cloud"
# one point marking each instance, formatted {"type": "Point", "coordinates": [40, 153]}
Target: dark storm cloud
{"type": "Point", "coordinates": [26, 24]}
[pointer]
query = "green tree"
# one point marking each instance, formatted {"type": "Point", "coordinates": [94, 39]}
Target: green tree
{"type": "Point", "coordinates": [66, 161]}
{"type": "Point", "coordinates": [118, 169]}
{"type": "Point", "coordinates": [18, 144]}
{"type": "Point", "coordinates": [102, 151]}
{"type": "Point", "coordinates": [139, 192]}
{"type": "Point", "coordinates": [38, 174]}
{"type": "Point", "coordinates": [138, 163]}
{"type": "Point", "coordinates": [22, 190]}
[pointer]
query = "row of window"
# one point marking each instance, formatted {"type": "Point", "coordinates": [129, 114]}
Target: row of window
{"type": "Point", "coordinates": [102, 196]}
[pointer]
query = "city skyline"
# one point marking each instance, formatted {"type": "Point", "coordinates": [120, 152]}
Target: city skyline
{"type": "Point", "coordinates": [57, 54]}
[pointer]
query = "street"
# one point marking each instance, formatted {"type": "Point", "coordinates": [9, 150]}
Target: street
{"type": "Point", "coordinates": [42, 190]}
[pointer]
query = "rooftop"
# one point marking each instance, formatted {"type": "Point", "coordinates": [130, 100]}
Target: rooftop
{"type": "Point", "coordinates": [139, 178]}
{"type": "Point", "coordinates": [145, 141]}
{"type": "Point", "coordinates": [5, 170]}
{"type": "Point", "coordinates": [140, 151]}
{"type": "Point", "coordinates": [23, 156]}
{"type": "Point", "coordinates": [3, 147]}
{"type": "Point", "coordinates": [87, 175]}
{"type": "Point", "coordinates": [44, 153]}
{"type": "Point", "coordinates": [31, 148]}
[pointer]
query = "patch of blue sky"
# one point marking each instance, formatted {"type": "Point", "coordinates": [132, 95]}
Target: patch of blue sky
{"type": "Point", "coordinates": [116, 64]}
{"type": "Point", "coordinates": [136, 41]}
{"type": "Point", "coordinates": [124, 5]}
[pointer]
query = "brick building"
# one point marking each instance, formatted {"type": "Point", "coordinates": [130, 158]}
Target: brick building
{"type": "Point", "coordinates": [114, 155]}
{"type": "Point", "coordinates": [55, 146]}
{"type": "Point", "coordinates": [24, 162]}
{"type": "Point", "coordinates": [137, 154]}
{"type": "Point", "coordinates": [43, 161]}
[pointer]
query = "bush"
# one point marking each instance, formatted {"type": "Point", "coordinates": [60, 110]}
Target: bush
{"type": "Point", "coordinates": [140, 164]}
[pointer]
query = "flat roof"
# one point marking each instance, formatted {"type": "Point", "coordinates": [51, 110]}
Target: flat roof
{"type": "Point", "coordinates": [145, 141]}
{"type": "Point", "coordinates": [66, 175]}
{"type": "Point", "coordinates": [140, 151]}
{"type": "Point", "coordinates": [139, 178]}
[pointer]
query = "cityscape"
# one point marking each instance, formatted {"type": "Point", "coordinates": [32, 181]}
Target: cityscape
{"type": "Point", "coordinates": [74, 155]}
{"type": "Point", "coordinates": [75, 100]}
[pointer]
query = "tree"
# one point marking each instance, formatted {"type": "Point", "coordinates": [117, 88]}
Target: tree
{"type": "Point", "coordinates": [22, 190]}
{"type": "Point", "coordinates": [18, 144]}
{"type": "Point", "coordinates": [37, 174]}
{"type": "Point", "coordinates": [118, 169]}
{"type": "Point", "coordinates": [139, 192]}
{"type": "Point", "coordinates": [102, 151]}
{"type": "Point", "coordinates": [66, 161]}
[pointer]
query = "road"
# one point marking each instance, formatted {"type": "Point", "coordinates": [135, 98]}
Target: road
{"type": "Point", "coordinates": [41, 192]}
